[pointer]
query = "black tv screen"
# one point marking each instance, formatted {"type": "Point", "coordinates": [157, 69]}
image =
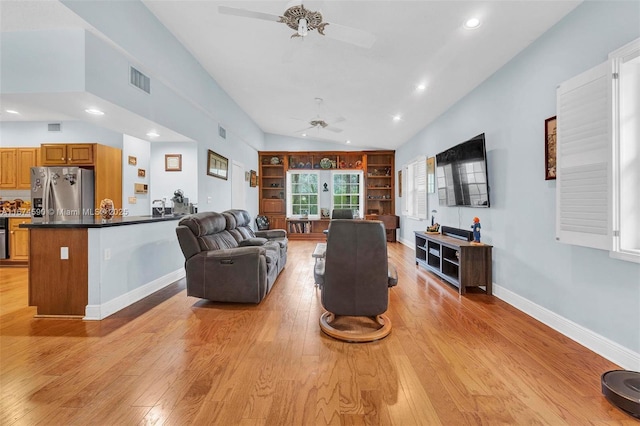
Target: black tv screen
{"type": "Point", "coordinates": [462, 174]}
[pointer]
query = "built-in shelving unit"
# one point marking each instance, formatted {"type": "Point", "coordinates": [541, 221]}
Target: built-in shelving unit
{"type": "Point", "coordinates": [460, 262]}
{"type": "Point", "coordinates": [379, 184]}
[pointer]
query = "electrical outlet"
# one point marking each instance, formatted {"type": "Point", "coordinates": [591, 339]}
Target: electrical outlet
{"type": "Point", "coordinates": [107, 254]}
{"type": "Point", "coordinates": [209, 199]}
{"type": "Point", "coordinates": [64, 253]}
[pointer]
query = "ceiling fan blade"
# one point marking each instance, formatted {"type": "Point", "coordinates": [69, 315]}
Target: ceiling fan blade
{"type": "Point", "coordinates": [350, 35]}
{"type": "Point", "coordinates": [333, 129]}
{"type": "Point", "coordinates": [338, 120]}
{"type": "Point", "coordinates": [226, 10]}
{"type": "Point", "coordinates": [305, 129]}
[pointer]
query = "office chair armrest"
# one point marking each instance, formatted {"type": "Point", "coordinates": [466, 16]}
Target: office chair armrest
{"type": "Point", "coordinates": [392, 276]}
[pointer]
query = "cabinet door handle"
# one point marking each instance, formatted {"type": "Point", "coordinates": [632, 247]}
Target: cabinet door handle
{"type": "Point", "coordinates": [62, 159]}
{"type": "Point", "coordinates": [12, 232]}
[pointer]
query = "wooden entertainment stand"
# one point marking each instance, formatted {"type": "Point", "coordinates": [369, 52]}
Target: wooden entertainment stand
{"type": "Point", "coordinates": [458, 261]}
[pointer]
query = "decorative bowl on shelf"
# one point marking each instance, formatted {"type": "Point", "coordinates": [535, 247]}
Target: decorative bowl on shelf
{"type": "Point", "coordinates": [325, 163]}
{"type": "Point", "coordinates": [275, 160]}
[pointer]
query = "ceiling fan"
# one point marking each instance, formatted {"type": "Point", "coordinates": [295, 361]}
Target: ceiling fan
{"type": "Point", "coordinates": [319, 123]}
{"type": "Point", "coordinates": [303, 20]}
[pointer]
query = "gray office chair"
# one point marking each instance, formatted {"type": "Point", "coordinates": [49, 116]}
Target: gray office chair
{"type": "Point", "coordinates": [340, 214]}
{"type": "Point", "coordinates": [354, 277]}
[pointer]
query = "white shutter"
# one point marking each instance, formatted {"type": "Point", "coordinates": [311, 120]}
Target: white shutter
{"type": "Point", "coordinates": [584, 156]}
{"type": "Point", "coordinates": [421, 189]}
{"type": "Point", "coordinates": [405, 190]}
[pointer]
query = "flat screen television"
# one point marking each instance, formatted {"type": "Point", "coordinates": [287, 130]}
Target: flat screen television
{"type": "Point", "coordinates": [462, 174]}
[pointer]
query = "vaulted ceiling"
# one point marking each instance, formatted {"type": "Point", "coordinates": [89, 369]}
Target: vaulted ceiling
{"type": "Point", "coordinates": [276, 79]}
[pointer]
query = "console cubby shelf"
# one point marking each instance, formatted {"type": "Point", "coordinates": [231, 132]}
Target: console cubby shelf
{"type": "Point", "coordinates": [459, 262]}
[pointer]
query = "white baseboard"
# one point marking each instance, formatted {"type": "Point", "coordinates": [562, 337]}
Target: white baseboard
{"type": "Point", "coordinates": [604, 347]}
{"type": "Point", "coordinates": [410, 244]}
{"type": "Point", "coordinates": [98, 312]}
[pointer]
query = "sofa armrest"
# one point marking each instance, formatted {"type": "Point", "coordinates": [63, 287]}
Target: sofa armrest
{"type": "Point", "coordinates": [249, 242]}
{"type": "Point", "coordinates": [228, 275]}
{"type": "Point", "coordinates": [271, 233]}
{"type": "Point", "coordinates": [234, 252]}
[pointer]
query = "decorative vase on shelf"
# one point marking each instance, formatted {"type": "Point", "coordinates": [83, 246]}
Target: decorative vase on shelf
{"type": "Point", "coordinates": [107, 209]}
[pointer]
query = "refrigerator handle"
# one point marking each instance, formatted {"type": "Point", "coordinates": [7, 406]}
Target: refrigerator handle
{"type": "Point", "coordinates": [46, 190]}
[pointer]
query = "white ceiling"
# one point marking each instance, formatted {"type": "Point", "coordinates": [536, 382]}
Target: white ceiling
{"type": "Point", "coordinates": [275, 78]}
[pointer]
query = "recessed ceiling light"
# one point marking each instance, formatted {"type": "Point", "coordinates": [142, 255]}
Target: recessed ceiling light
{"type": "Point", "coordinates": [348, 141]}
{"type": "Point", "coordinates": [304, 134]}
{"type": "Point", "coordinates": [12, 111]}
{"type": "Point", "coordinates": [397, 117]}
{"type": "Point", "coordinates": [420, 87]}
{"type": "Point", "coordinates": [93, 111]}
{"type": "Point", "coordinates": [153, 134]}
{"type": "Point", "coordinates": [472, 23]}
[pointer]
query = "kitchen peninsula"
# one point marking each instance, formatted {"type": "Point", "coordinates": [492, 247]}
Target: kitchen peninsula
{"type": "Point", "coordinates": [90, 268]}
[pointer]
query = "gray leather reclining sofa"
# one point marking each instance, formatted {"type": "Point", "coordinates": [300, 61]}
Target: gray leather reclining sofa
{"type": "Point", "coordinates": [226, 261]}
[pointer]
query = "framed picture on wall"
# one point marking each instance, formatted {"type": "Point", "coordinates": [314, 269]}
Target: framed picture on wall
{"type": "Point", "coordinates": [253, 181]}
{"type": "Point", "coordinates": [217, 165]}
{"type": "Point", "coordinates": [550, 148]}
{"type": "Point", "coordinates": [173, 162]}
{"type": "Point", "coordinates": [431, 175]}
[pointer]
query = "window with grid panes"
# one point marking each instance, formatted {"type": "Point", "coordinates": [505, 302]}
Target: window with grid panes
{"type": "Point", "coordinates": [347, 191]}
{"type": "Point", "coordinates": [302, 194]}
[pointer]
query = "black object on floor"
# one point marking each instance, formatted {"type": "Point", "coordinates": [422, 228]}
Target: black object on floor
{"type": "Point", "coordinates": [622, 389]}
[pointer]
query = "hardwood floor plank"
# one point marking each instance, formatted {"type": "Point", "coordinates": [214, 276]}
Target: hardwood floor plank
{"type": "Point", "coordinates": [173, 359]}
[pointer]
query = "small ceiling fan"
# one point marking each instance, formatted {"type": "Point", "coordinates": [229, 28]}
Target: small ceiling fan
{"type": "Point", "coordinates": [303, 20]}
{"type": "Point", "coordinates": [319, 123]}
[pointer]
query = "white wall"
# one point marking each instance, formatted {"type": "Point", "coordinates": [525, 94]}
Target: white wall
{"type": "Point", "coordinates": [41, 63]}
{"type": "Point", "coordinates": [165, 183]}
{"type": "Point", "coordinates": [34, 133]}
{"type": "Point", "coordinates": [584, 286]}
{"type": "Point", "coordinates": [140, 149]}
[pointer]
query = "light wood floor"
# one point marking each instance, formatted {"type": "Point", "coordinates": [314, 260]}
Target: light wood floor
{"type": "Point", "coordinates": [173, 359]}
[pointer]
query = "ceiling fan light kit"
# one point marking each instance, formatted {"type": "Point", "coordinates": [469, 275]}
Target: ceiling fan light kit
{"type": "Point", "coordinates": [302, 20]}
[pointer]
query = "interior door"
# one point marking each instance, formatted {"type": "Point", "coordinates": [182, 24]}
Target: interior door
{"type": "Point", "coordinates": [238, 186]}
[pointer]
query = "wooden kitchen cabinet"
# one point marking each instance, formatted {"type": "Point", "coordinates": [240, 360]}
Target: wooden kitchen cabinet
{"type": "Point", "coordinates": [15, 167]}
{"type": "Point", "coordinates": [104, 160]}
{"type": "Point", "coordinates": [8, 177]}
{"type": "Point", "coordinates": [18, 239]}
{"type": "Point", "coordinates": [59, 154]}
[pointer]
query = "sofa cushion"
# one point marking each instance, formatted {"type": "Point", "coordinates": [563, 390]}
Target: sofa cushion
{"type": "Point", "coordinates": [238, 224]}
{"type": "Point", "coordinates": [209, 230]}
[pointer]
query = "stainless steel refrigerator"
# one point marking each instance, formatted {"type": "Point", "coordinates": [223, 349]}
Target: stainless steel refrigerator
{"type": "Point", "coordinates": [61, 193]}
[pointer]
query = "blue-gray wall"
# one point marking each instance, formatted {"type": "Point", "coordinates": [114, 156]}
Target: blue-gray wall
{"type": "Point", "coordinates": [579, 284]}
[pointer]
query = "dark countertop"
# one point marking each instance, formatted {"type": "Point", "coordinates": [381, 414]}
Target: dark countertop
{"type": "Point", "coordinates": [97, 222]}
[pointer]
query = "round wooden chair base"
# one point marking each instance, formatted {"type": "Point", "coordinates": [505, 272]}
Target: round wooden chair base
{"type": "Point", "coordinates": [366, 335]}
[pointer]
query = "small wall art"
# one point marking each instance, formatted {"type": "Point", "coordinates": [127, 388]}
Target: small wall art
{"type": "Point", "coordinates": [550, 148]}
{"type": "Point", "coordinates": [217, 165]}
{"type": "Point", "coordinates": [173, 162]}
{"type": "Point", "coordinates": [133, 160]}
{"type": "Point", "coordinates": [431, 175]}
{"type": "Point", "coordinates": [142, 173]}
{"type": "Point", "coordinates": [254, 178]}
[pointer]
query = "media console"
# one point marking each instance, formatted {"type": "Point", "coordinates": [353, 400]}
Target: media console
{"type": "Point", "coordinates": [458, 261]}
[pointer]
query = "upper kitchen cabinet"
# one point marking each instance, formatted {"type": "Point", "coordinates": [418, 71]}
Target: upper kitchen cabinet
{"type": "Point", "coordinates": [15, 167]}
{"type": "Point", "coordinates": [104, 160]}
{"type": "Point", "coordinates": [77, 154]}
